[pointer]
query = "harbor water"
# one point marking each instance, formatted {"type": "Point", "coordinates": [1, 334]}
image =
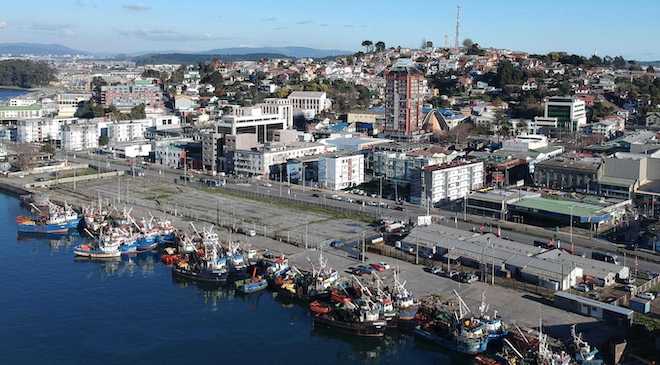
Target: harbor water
{"type": "Point", "coordinates": [6, 94]}
{"type": "Point", "coordinates": [55, 309]}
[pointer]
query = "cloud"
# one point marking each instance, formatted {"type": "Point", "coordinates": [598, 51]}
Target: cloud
{"type": "Point", "coordinates": [269, 19]}
{"type": "Point", "coordinates": [279, 28]}
{"type": "Point", "coordinates": [136, 7]}
{"type": "Point", "coordinates": [348, 25]}
{"type": "Point", "coordinates": [168, 35]}
{"type": "Point", "coordinates": [303, 22]}
{"type": "Point", "coordinates": [324, 25]}
{"type": "Point", "coordinates": [3, 24]}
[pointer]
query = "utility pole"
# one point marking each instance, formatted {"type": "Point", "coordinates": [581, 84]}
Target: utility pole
{"type": "Point", "coordinates": [364, 247]}
{"type": "Point", "coordinates": [217, 212]}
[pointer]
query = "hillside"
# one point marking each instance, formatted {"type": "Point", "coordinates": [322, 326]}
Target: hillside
{"type": "Point", "coordinates": [38, 49]}
{"type": "Point", "coordinates": [185, 58]}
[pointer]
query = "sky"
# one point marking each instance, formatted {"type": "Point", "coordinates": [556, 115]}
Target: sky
{"type": "Point", "coordinates": [606, 27]}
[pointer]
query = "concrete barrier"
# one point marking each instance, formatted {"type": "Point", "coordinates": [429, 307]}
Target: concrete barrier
{"type": "Point", "coordinates": [66, 180]}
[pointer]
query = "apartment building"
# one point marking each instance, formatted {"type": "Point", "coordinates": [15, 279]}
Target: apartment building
{"type": "Point", "coordinates": [80, 136]}
{"type": "Point", "coordinates": [212, 151]}
{"type": "Point", "coordinates": [340, 171]}
{"type": "Point", "coordinates": [448, 182]}
{"type": "Point", "coordinates": [37, 130]}
{"type": "Point", "coordinates": [404, 98]}
{"type": "Point", "coordinates": [316, 101]}
{"type": "Point", "coordinates": [129, 96]}
{"type": "Point", "coordinates": [127, 131]}
{"type": "Point", "coordinates": [67, 103]}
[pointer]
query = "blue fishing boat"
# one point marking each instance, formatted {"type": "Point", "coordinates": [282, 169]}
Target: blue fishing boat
{"type": "Point", "coordinates": [253, 286]}
{"type": "Point", "coordinates": [53, 225]}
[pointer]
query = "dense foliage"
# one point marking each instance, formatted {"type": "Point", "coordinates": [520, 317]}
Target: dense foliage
{"type": "Point", "coordinates": [25, 73]}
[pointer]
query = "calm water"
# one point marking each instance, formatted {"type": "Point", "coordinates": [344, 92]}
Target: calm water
{"type": "Point", "coordinates": [9, 93]}
{"type": "Point", "coordinates": [57, 310]}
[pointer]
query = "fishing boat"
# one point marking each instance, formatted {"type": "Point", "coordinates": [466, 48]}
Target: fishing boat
{"type": "Point", "coordinates": [207, 264]}
{"type": "Point", "coordinates": [253, 286]}
{"type": "Point", "coordinates": [455, 330]}
{"type": "Point", "coordinates": [44, 225]}
{"type": "Point", "coordinates": [584, 353]}
{"type": "Point", "coordinates": [104, 247]}
{"type": "Point", "coordinates": [360, 318]}
{"type": "Point", "coordinates": [494, 325]}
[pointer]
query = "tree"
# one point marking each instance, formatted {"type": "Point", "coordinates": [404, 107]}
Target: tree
{"type": "Point", "coordinates": [502, 122]}
{"type": "Point", "coordinates": [367, 45]}
{"type": "Point", "coordinates": [103, 140]}
{"type": "Point", "coordinates": [25, 73]}
{"type": "Point", "coordinates": [137, 112]}
{"type": "Point", "coordinates": [380, 46]}
{"type": "Point", "coordinates": [48, 148]}
{"type": "Point", "coordinates": [650, 69]}
{"type": "Point", "coordinates": [619, 62]}
{"type": "Point", "coordinates": [429, 44]}
{"type": "Point", "coordinates": [25, 154]}
{"type": "Point", "coordinates": [467, 43]}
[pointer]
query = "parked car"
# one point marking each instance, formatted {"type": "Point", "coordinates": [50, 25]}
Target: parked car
{"type": "Point", "coordinates": [583, 288]}
{"type": "Point", "coordinates": [452, 274]}
{"type": "Point", "coordinates": [377, 267]}
{"type": "Point", "coordinates": [365, 269]}
{"type": "Point", "coordinates": [647, 296]}
{"type": "Point", "coordinates": [436, 270]}
{"type": "Point", "coordinates": [468, 278]}
{"type": "Point", "coordinates": [336, 243]}
{"type": "Point", "coordinates": [385, 265]}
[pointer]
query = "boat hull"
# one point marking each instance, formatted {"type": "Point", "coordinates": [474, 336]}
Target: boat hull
{"type": "Point", "coordinates": [43, 228]}
{"type": "Point", "coordinates": [472, 347]}
{"type": "Point", "coordinates": [205, 277]}
{"type": "Point", "coordinates": [97, 254]}
{"type": "Point", "coordinates": [253, 287]}
{"type": "Point", "coordinates": [363, 329]}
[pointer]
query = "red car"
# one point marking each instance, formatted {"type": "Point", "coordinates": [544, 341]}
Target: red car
{"type": "Point", "coordinates": [378, 267]}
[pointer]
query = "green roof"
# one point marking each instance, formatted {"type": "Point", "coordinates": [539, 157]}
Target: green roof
{"type": "Point", "coordinates": [559, 206]}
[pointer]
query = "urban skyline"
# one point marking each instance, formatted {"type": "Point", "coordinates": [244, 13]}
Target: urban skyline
{"type": "Point", "coordinates": [156, 26]}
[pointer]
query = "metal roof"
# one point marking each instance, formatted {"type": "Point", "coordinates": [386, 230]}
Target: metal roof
{"type": "Point", "coordinates": [613, 308]}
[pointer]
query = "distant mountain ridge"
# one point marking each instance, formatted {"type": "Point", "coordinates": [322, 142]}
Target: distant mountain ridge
{"type": "Point", "coordinates": [39, 49]}
{"type": "Point", "coordinates": [295, 52]}
{"type": "Point", "coordinates": [192, 58]}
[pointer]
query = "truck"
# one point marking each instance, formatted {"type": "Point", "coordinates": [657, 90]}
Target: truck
{"type": "Point", "coordinates": [606, 257]}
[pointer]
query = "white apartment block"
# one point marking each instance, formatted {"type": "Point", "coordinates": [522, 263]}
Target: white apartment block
{"type": "Point", "coordinates": [259, 160]}
{"type": "Point", "coordinates": [67, 104]}
{"type": "Point", "coordinates": [337, 172]}
{"type": "Point", "coordinates": [37, 130]}
{"type": "Point", "coordinates": [211, 150]}
{"type": "Point", "coordinates": [452, 181]}
{"type": "Point", "coordinates": [121, 132]}
{"type": "Point", "coordinates": [316, 101]}
{"type": "Point", "coordinates": [80, 136]}
{"type": "Point", "coordinates": [253, 120]}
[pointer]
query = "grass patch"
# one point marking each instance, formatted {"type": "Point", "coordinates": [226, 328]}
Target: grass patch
{"type": "Point", "coordinates": [77, 172]}
{"type": "Point", "coordinates": [295, 205]}
{"type": "Point", "coordinates": [159, 194]}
